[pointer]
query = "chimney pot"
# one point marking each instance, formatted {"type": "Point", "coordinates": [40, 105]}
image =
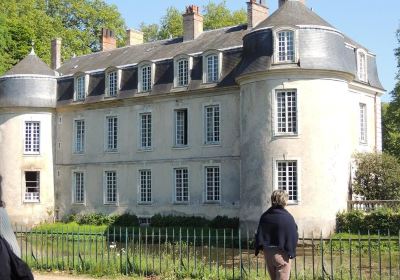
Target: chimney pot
{"type": "Point", "coordinates": [192, 23]}
{"type": "Point", "coordinates": [108, 41]}
{"type": "Point", "coordinates": [257, 11]}
{"type": "Point", "coordinates": [56, 53]}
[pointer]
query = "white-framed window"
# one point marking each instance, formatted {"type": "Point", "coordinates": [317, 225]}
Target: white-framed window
{"type": "Point", "coordinates": [111, 133]}
{"type": "Point", "coordinates": [286, 47]}
{"type": "Point", "coordinates": [146, 77]}
{"type": "Point", "coordinates": [78, 187]}
{"type": "Point", "coordinates": [362, 65]}
{"type": "Point", "coordinates": [212, 184]}
{"type": "Point", "coordinates": [112, 83]}
{"type": "Point", "coordinates": [80, 88]}
{"type": "Point", "coordinates": [212, 66]}
{"type": "Point", "coordinates": [145, 194]}
{"type": "Point", "coordinates": [145, 130]}
{"type": "Point", "coordinates": [79, 136]}
{"type": "Point", "coordinates": [32, 138]}
{"type": "Point", "coordinates": [286, 120]}
{"type": "Point", "coordinates": [287, 178]}
{"type": "Point", "coordinates": [110, 187]}
{"type": "Point", "coordinates": [183, 72]}
{"type": "Point", "coordinates": [212, 124]}
{"type": "Point", "coordinates": [363, 124]}
{"type": "Point", "coordinates": [32, 186]}
{"type": "Point", "coordinates": [181, 176]}
{"type": "Point", "coordinates": [181, 127]}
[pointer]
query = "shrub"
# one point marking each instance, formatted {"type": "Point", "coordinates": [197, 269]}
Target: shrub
{"type": "Point", "coordinates": [224, 222]}
{"type": "Point", "coordinates": [178, 221]}
{"type": "Point", "coordinates": [126, 220]}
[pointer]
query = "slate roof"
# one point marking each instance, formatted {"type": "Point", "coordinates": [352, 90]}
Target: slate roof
{"type": "Point", "coordinates": [31, 65]}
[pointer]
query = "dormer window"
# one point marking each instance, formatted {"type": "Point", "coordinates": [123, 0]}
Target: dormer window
{"type": "Point", "coordinates": [362, 65]}
{"type": "Point", "coordinates": [212, 64]}
{"type": "Point", "coordinates": [286, 46]}
{"type": "Point", "coordinates": [80, 88]}
{"type": "Point", "coordinates": [146, 77]}
{"type": "Point", "coordinates": [112, 79]}
{"type": "Point", "coordinates": [183, 66]}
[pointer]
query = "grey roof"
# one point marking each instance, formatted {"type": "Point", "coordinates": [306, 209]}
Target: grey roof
{"type": "Point", "coordinates": [31, 65]}
{"type": "Point", "coordinates": [215, 39]}
{"type": "Point", "coordinates": [293, 13]}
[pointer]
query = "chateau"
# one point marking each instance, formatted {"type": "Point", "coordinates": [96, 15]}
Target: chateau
{"type": "Point", "coordinates": [207, 124]}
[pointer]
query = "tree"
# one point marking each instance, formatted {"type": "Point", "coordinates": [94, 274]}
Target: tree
{"type": "Point", "coordinates": [218, 15]}
{"type": "Point", "coordinates": [377, 176]}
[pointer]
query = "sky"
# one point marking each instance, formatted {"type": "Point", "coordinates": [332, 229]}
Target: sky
{"type": "Point", "coordinates": [371, 23]}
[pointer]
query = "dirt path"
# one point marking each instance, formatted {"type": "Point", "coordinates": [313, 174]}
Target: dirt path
{"type": "Point", "coordinates": [66, 276]}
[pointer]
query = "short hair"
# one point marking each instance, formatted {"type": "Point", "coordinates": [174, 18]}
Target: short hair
{"type": "Point", "coordinates": [279, 198]}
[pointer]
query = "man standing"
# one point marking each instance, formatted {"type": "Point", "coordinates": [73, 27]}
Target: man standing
{"type": "Point", "coordinates": [277, 236]}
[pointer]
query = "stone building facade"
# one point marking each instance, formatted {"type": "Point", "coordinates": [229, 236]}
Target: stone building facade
{"type": "Point", "coordinates": [208, 124]}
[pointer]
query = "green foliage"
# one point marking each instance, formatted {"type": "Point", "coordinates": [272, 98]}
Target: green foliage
{"type": "Point", "coordinates": [377, 176]}
{"type": "Point", "coordinates": [126, 220]}
{"type": "Point", "coordinates": [100, 219]}
{"type": "Point", "coordinates": [218, 15]}
{"type": "Point", "coordinates": [224, 222]}
{"type": "Point", "coordinates": [77, 22]}
{"type": "Point", "coordinates": [171, 24]}
{"type": "Point", "coordinates": [383, 220]}
{"type": "Point", "coordinates": [178, 221]}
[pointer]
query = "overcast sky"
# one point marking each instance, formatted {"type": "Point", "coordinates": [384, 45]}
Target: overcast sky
{"type": "Point", "coordinates": [371, 23]}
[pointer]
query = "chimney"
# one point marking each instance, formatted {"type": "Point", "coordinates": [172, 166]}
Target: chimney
{"type": "Point", "coordinates": [108, 41]}
{"type": "Point", "coordinates": [192, 23]}
{"type": "Point", "coordinates": [134, 37]}
{"type": "Point", "coordinates": [281, 2]}
{"type": "Point", "coordinates": [257, 11]}
{"type": "Point", "coordinates": [56, 53]}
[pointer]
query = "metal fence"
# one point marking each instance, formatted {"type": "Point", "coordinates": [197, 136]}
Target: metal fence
{"type": "Point", "coordinates": [205, 254]}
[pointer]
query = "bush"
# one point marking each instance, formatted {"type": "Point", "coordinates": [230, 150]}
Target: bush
{"type": "Point", "coordinates": [178, 221]}
{"type": "Point", "coordinates": [224, 222]}
{"type": "Point", "coordinates": [126, 220]}
{"type": "Point", "coordinates": [382, 220]}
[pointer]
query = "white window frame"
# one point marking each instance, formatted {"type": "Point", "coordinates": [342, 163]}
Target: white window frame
{"type": "Point", "coordinates": [146, 187]}
{"type": "Point", "coordinates": [177, 72]}
{"type": "Point", "coordinates": [206, 200]}
{"type": "Point", "coordinates": [185, 128]}
{"type": "Point", "coordinates": [81, 96]}
{"type": "Point", "coordinates": [363, 122]}
{"type": "Point", "coordinates": [33, 140]}
{"type": "Point", "coordinates": [107, 147]}
{"type": "Point", "coordinates": [276, 33]}
{"type": "Point", "coordinates": [298, 176]}
{"type": "Point", "coordinates": [206, 55]}
{"type": "Point", "coordinates": [75, 137]}
{"type": "Point", "coordinates": [182, 181]}
{"type": "Point", "coordinates": [141, 85]}
{"type": "Point", "coordinates": [105, 186]}
{"type": "Point", "coordinates": [74, 187]}
{"type": "Point", "coordinates": [276, 114]}
{"type": "Point", "coordinates": [117, 83]}
{"type": "Point", "coordinates": [205, 124]}
{"type": "Point", "coordinates": [362, 65]}
{"type": "Point", "coordinates": [32, 198]}
{"type": "Point", "coordinates": [149, 137]}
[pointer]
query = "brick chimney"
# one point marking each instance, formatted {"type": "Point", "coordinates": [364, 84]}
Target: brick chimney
{"type": "Point", "coordinates": [281, 2]}
{"type": "Point", "coordinates": [192, 23]}
{"type": "Point", "coordinates": [134, 37]}
{"type": "Point", "coordinates": [108, 41]}
{"type": "Point", "coordinates": [257, 11]}
{"type": "Point", "coordinates": [56, 53]}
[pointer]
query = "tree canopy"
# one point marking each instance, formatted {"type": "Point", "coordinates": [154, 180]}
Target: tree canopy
{"type": "Point", "coordinates": [171, 25]}
{"type": "Point", "coordinates": [77, 22]}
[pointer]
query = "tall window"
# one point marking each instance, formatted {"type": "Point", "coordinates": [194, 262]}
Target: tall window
{"type": "Point", "coordinates": [79, 187]}
{"type": "Point", "coordinates": [112, 133]}
{"type": "Point", "coordinates": [110, 192]}
{"type": "Point", "coordinates": [79, 134]}
{"type": "Point", "coordinates": [181, 185]}
{"type": "Point", "coordinates": [286, 112]}
{"type": "Point", "coordinates": [32, 138]}
{"type": "Point", "coordinates": [146, 78]}
{"type": "Point", "coordinates": [32, 186]}
{"type": "Point", "coordinates": [363, 123]}
{"type": "Point", "coordinates": [112, 83]}
{"type": "Point", "coordinates": [80, 88]}
{"type": "Point", "coordinates": [212, 68]}
{"type": "Point", "coordinates": [362, 66]}
{"type": "Point", "coordinates": [145, 130]}
{"type": "Point", "coordinates": [183, 72]}
{"type": "Point", "coordinates": [145, 186]}
{"type": "Point", "coordinates": [181, 127]}
{"type": "Point", "coordinates": [287, 178]}
{"type": "Point", "coordinates": [212, 124]}
{"type": "Point", "coordinates": [286, 46]}
{"type": "Point", "coordinates": [213, 184]}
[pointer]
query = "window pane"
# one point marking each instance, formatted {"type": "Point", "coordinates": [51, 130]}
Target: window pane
{"type": "Point", "coordinates": [145, 130]}
{"type": "Point", "coordinates": [212, 68]}
{"type": "Point", "coordinates": [32, 137]}
{"type": "Point", "coordinates": [145, 185]}
{"type": "Point", "coordinates": [212, 121]}
{"type": "Point", "coordinates": [79, 136]}
{"type": "Point", "coordinates": [32, 186]}
{"type": "Point", "coordinates": [181, 185]}
{"type": "Point", "coordinates": [79, 187]}
{"type": "Point", "coordinates": [111, 187]}
{"type": "Point", "coordinates": [286, 46]}
{"type": "Point", "coordinates": [181, 127]}
{"type": "Point", "coordinates": [80, 88]}
{"type": "Point", "coordinates": [287, 178]}
{"type": "Point", "coordinates": [146, 78]}
{"type": "Point", "coordinates": [183, 72]}
{"type": "Point", "coordinates": [212, 184]}
{"type": "Point", "coordinates": [363, 123]}
{"type": "Point", "coordinates": [112, 133]}
{"type": "Point", "coordinates": [112, 84]}
{"type": "Point", "coordinates": [286, 112]}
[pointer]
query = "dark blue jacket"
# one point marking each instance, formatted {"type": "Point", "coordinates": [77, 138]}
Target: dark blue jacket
{"type": "Point", "coordinates": [277, 228]}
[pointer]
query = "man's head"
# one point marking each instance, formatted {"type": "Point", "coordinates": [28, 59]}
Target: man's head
{"type": "Point", "coordinates": [279, 198]}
